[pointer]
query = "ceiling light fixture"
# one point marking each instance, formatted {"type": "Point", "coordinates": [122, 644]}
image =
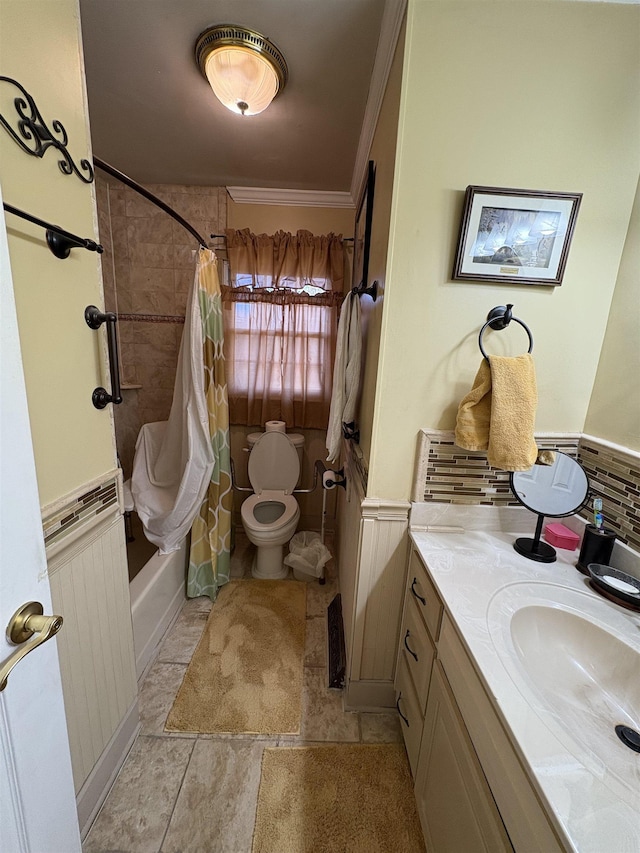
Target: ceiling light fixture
{"type": "Point", "coordinates": [245, 70]}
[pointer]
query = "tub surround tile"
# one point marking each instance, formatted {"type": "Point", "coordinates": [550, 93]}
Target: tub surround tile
{"type": "Point", "coordinates": [183, 282]}
{"type": "Point", "coordinates": [148, 230]}
{"type": "Point", "coordinates": [216, 806]}
{"type": "Point", "coordinates": [136, 206]}
{"type": "Point", "coordinates": [152, 261]}
{"type": "Point", "coordinates": [136, 813]}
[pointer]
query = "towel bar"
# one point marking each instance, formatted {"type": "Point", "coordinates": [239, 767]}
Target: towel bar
{"type": "Point", "coordinates": [499, 318]}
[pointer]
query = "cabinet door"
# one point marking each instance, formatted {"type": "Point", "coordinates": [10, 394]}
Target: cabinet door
{"type": "Point", "coordinates": [456, 808]}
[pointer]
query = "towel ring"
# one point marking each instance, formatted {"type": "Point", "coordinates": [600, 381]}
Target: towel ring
{"type": "Point", "coordinates": [499, 318]}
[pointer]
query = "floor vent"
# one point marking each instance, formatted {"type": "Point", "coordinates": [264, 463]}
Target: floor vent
{"type": "Point", "coordinates": [337, 656]}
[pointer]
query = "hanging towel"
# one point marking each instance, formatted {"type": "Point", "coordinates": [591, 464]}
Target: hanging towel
{"type": "Point", "coordinates": [346, 374]}
{"type": "Point", "coordinates": [498, 414]}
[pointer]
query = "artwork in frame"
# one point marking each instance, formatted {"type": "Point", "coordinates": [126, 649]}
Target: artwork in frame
{"type": "Point", "coordinates": [362, 232]}
{"type": "Point", "coordinates": [509, 235]}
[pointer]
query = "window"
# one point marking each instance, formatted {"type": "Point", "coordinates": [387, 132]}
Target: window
{"type": "Point", "coordinates": [280, 315]}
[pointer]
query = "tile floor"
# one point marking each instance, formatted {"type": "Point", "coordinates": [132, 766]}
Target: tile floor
{"type": "Point", "coordinates": [180, 793]}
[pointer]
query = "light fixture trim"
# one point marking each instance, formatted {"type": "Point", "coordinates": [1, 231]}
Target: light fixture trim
{"type": "Point", "coordinates": [232, 35]}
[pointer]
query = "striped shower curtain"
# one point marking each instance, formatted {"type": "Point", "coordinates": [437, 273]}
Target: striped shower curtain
{"type": "Point", "coordinates": [211, 531]}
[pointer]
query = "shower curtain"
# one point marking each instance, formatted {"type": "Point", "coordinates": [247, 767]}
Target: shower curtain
{"type": "Point", "coordinates": [209, 557]}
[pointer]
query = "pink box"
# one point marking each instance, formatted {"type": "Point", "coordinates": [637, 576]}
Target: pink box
{"type": "Point", "coordinates": [559, 535]}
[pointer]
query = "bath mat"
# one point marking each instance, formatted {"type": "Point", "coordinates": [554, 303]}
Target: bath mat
{"type": "Point", "coordinates": [355, 798]}
{"type": "Point", "coordinates": [246, 674]}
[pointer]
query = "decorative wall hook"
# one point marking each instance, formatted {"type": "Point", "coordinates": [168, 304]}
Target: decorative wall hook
{"type": "Point", "coordinates": [34, 137]}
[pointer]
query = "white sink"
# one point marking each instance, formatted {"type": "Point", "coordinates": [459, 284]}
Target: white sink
{"type": "Point", "coordinates": [571, 657]}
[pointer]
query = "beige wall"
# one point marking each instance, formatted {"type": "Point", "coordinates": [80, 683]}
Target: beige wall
{"type": "Point", "coordinates": [40, 47]}
{"type": "Point", "coordinates": [383, 153]}
{"type": "Point", "coordinates": [614, 410]}
{"type": "Point", "coordinates": [269, 218]}
{"type": "Point", "coordinates": [534, 110]}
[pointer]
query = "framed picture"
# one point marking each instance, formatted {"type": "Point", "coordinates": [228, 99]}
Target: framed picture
{"type": "Point", "coordinates": [515, 235]}
{"type": "Point", "coordinates": [362, 232]}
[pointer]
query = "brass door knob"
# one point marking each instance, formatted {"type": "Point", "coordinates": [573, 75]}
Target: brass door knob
{"type": "Point", "coordinates": [27, 624]}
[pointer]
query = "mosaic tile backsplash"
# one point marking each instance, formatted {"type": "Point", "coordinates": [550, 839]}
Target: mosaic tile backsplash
{"type": "Point", "coordinates": [614, 477]}
{"type": "Point", "coordinates": [93, 502]}
{"type": "Point", "coordinates": [446, 473]}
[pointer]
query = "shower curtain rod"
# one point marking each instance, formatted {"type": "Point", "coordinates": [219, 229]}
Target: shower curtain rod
{"type": "Point", "coordinates": [115, 173]}
{"type": "Point", "coordinates": [224, 237]}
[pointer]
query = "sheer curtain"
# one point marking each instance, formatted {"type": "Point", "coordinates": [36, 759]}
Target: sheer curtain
{"type": "Point", "coordinates": [280, 318]}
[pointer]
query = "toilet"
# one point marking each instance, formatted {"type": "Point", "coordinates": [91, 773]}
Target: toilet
{"type": "Point", "coordinates": [270, 516]}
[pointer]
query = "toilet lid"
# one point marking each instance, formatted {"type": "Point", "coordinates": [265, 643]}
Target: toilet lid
{"type": "Point", "coordinates": [273, 464]}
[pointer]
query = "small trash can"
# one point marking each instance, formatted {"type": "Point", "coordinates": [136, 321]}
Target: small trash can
{"type": "Point", "coordinates": [307, 556]}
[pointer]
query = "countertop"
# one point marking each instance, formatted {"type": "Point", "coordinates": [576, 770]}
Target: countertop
{"type": "Point", "coordinates": [592, 799]}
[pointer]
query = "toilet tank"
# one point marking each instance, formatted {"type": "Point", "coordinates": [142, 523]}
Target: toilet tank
{"type": "Point", "coordinates": [296, 438]}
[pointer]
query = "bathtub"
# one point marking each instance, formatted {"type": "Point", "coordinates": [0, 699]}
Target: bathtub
{"type": "Point", "coordinates": [157, 594]}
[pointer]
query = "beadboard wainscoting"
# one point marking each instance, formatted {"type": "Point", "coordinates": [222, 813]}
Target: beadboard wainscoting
{"type": "Point", "coordinates": [87, 564]}
{"type": "Point", "coordinates": [372, 558]}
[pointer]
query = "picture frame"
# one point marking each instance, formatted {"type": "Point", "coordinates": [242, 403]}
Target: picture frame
{"type": "Point", "coordinates": [515, 236]}
{"type": "Point", "coordinates": [362, 231]}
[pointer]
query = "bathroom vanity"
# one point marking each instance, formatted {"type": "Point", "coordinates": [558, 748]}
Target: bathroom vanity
{"type": "Point", "coordinates": [511, 677]}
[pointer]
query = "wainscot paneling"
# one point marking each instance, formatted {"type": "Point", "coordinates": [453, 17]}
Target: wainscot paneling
{"type": "Point", "coordinates": [87, 565]}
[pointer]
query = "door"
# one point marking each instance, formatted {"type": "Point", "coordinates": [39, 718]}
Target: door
{"type": "Point", "coordinates": [37, 800]}
{"type": "Point", "coordinates": [457, 810]}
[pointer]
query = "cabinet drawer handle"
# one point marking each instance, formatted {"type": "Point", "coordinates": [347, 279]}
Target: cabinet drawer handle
{"type": "Point", "coordinates": [406, 721]}
{"type": "Point", "coordinates": [417, 595]}
{"type": "Point", "coordinates": [406, 645]}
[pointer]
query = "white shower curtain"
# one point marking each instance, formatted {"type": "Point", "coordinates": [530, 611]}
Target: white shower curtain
{"type": "Point", "coordinates": [174, 459]}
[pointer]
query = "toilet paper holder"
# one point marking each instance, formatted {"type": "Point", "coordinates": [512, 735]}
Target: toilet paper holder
{"type": "Point", "coordinates": [331, 479]}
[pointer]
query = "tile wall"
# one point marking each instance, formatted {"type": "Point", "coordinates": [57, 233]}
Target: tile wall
{"type": "Point", "coordinates": [148, 267]}
{"type": "Point", "coordinates": [446, 473]}
{"type": "Point", "coordinates": [615, 477]}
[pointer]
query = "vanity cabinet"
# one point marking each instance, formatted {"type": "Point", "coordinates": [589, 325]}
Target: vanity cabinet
{"type": "Point", "coordinates": [471, 790]}
{"type": "Point", "coordinates": [420, 627]}
{"type": "Point", "coordinates": [456, 808]}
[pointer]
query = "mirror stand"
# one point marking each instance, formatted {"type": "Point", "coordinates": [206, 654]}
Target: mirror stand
{"type": "Point", "coordinates": [534, 549]}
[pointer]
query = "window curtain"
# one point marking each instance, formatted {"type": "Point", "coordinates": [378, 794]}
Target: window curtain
{"type": "Point", "coordinates": [280, 319]}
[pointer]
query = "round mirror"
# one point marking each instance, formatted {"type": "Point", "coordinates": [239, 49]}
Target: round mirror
{"type": "Point", "coordinates": [555, 490]}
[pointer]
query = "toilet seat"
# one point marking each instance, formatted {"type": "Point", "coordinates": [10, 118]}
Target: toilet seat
{"type": "Point", "coordinates": [291, 511]}
{"type": "Point", "coordinates": [273, 464]}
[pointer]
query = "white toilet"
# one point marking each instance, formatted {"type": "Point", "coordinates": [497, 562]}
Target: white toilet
{"type": "Point", "coordinates": [270, 516]}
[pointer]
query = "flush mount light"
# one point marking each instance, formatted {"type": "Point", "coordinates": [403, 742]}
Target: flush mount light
{"type": "Point", "coordinates": [245, 70]}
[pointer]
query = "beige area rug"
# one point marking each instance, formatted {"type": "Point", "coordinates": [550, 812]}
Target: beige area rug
{"type": "Point", "coordinates": [337, 799]}
{"type": "Point", "coordinates": [246, 673]}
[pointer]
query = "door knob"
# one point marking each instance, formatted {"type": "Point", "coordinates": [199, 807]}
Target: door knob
{"type": "Point", "coordinates": [27, 623]}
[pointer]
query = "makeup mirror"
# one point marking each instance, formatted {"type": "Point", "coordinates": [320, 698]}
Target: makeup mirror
{"type": "Point", "coordinates": [554, 490]}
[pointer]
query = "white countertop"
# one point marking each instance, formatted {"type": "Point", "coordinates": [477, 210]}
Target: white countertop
{"type": "Point", "coordinates": [594, 802]}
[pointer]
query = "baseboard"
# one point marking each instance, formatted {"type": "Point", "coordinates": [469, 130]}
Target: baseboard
{"type": "Point", "coordinates": [98, 783]}
{"type": "Point", "coordinates": [369, 696]}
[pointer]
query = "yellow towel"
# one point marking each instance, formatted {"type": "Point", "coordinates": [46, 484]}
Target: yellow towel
{"type": "Point", "coordinates": [498, 414]}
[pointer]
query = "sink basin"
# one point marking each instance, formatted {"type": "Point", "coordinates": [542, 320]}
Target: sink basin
{"type": "Point", "coordinates": [576, 661]}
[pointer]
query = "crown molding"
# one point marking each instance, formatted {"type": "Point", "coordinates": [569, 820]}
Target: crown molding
{"type": "Point", "coordinates": [392, 18]}
{"type": "Point", "coordinates": [290, 198]}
